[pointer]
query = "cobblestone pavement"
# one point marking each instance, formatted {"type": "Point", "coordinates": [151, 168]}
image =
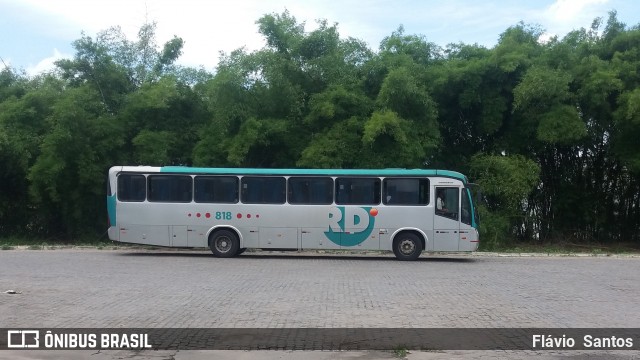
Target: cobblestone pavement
{"type": "Point", "coordinates": [141, 288]}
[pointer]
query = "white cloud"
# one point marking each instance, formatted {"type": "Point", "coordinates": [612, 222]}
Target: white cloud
{"type": "Point", "coordinates": [571, 10]}
{"type": "Point", "coordinates": [545, 38]}
{"type": "Point", "coordinates": [564, 16]}
{"type": "Point", "coordinates": [47, 64]}
{"type": "Point", "coordinates": [567, 15]}
{"type": "Point", "coordinates": [211, 26]}
{"type": "Point", "coordinates": [207, 27]}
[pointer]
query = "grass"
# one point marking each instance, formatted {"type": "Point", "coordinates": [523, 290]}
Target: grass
{"type": "Point", "coordinates": [571, 248]}
{"type": "Point", "coordinates": [400, 351]}
{"type": "Point", "coordinates": [38, 243]}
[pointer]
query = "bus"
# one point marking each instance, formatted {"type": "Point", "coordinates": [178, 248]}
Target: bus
{"type": "Point", "coordinates": [229, 210]}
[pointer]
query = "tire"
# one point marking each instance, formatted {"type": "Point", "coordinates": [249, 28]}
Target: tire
{"type": "Point", "coordinates": [407, 246]}
{"type": "Point", "coordinates": [241, 251]}
{"type": "Point", "coordinates": [224, 243]}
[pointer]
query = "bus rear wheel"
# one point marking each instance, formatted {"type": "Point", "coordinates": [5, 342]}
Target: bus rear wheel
{"type": "Point", "coordinates": [407, 246]}
{"type": "Point", "coordinates": [224, 243]}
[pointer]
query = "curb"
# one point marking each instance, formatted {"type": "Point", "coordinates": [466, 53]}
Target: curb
{"type": "Point", "coordinates": [118, 247]}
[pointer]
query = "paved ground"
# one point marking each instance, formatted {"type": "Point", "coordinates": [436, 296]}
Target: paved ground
{"type": "Point", "coordinates": [135, 288]}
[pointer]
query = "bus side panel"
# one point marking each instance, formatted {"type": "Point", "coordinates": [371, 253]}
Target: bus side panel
{"type": "Point", "coordinates": [111, 213]}
{"type": "Point", "coordinates": [299, 227]}
{"type": "Point", "coordinates": [197, 236]}
{"type": "Point", "coordinates": [144, 224]}
{"type": "Point", "coordinates": [469, 240]}
{"type": "Point", "coordinates": [145, 234]}
{"type": "Point", "coordinates": [390, 219]}
{"type": "Point", "coordinates": [279, 238]}
{"type": "Point", "coordinates": [372, 242]}
{"type": "Point", "coordinates": [315, 238]}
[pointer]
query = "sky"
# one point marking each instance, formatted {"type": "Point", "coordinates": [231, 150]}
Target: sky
{"type": "Point", "coordinates": [35, 33]}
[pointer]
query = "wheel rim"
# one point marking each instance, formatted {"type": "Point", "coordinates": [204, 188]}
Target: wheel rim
{"type": "Point", "coordinates": [223, 244]}
{"type": "Point", "coordinates": [407, 247]}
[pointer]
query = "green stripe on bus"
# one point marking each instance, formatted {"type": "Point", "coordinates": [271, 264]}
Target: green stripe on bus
{"type": "Point", "coordinates": [316, 172]}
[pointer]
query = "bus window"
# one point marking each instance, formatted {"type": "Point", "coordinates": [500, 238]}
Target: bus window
{"type": "Point", "coordinates": [405, 191]}
{"type": "Point", "coordinates": [263, 190]}
{"type": "Point", "coordinates": [357, 191]}
{"type": "Point", "coordinates": [131, 187]}
{"type": "Point", "coordinates": [447, 202]}
{"type": "Point", "coordinates": [318, 191]}
{"type": "Point", "coordinates": [465, 212]}
{"type": "Point", "coordinates": [216, 189]}
{"type": "Point", "coordinates": [170, 188]}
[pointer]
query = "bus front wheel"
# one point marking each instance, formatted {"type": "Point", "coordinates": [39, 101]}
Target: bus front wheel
{"type": "Point", "coordinates": [407, 246]}
{"type": "Point", "coordinates": [224, 243]}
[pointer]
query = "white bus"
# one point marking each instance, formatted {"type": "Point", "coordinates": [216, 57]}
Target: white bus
{"type": "Point", "coordinates": [230, 210]}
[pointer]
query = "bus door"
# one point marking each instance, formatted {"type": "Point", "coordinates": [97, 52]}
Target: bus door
{"type": "Point", "coordinates": [468, 235]}
{"type": "Point", "coordinates": [446, 221]}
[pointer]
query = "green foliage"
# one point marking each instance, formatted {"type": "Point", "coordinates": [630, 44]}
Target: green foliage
{"type": "Point", "coordinates": [253, 138]}
{"type": "Point", "coordinates": [400, 351]}
{"type": "Point", "coordinates": [281, 31]}
{"type": "Point", "coordinates": [162, 120]}
{"type": "Point", "coordinates": [405, 132]}
{"type": "Point", "coordinates": [392, 142]}
{"type": "Point", "coordinates": [12, 84]}
{"type": "Point", "coordinates": [339, 147]}
{"type": "Point", "coordinates": [561, 125]}
{"type": "Point", "coordinates": [495, 229]}
{"type": "Point", "coordinates": [541, 87]}
{"type": "Point", "coordinates": [74, 157]}
{"type": "Point", "coordinates": [472, 99]}
{"type": "Point", "coordinates": [627, 119]}
{"type": "Point", "coordinates": [152, 147]}
{"type": "Point", "coordinates": [336, 104]}
{"type": "Point", "coordinates": [386, 123]}
{"type": "Point", "coordinates": [506, 182]}
{"type": "Point", "coordinates": [401, 93]}
{"type": "Point", "coordinates": [415, 46]}
{"type": "Point", "coordinates": [517, 47]}
{"type": "Point", "coordinates": [22, 126]}
{"type": "Point", "coordinates": [506, 179]}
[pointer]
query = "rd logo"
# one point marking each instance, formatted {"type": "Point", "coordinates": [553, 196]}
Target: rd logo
{"type": "Point", "coordinates": [350, 226]}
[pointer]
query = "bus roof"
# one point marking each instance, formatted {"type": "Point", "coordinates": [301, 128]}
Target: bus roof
{"type": "Point", "coordinates": [315, 172]}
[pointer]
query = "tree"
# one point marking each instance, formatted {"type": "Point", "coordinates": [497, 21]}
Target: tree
{"type": "Point", "coordinates": [111, 87]}
{"type": "Point", "coordinates": [67, 178]}
{"type": "Point", "coordinates": [506, 183]}
{"type": "Point", "coordinates": [258, 99]}
{"type": "Point", "coordinates": [404, 132]}
{"type": "Point", "coordinates": [23, 114]}
{"type": "Point", "coordinates": [162, 120]}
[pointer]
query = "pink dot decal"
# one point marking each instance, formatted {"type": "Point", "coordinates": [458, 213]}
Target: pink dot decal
{"type": "Point", "coordinates": [189, 215]}
{"type": "Point", "coordinates": [239, 216]}
{"type": "Point", "coordinates": [248, 216]}
{"type": "Point", "coordinates": [257, 215]}
{"type": "Point", "coordinates": [198, 214]}
{"type": "Point", "coordinates": [207, 215]}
